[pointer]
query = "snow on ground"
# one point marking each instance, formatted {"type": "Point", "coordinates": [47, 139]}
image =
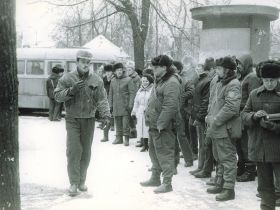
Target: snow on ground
{"type": "Point", "coordinates": [113, 176]}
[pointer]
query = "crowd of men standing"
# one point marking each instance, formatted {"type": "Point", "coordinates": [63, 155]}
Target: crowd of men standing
{"type": "Point", "coordinates": [227, 110]}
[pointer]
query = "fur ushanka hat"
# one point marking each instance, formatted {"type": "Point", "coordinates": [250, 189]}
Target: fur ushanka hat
{"type": "Point", "coordinates": [162, 60]}
{"type": "Point", "coordinates": [268, 69]}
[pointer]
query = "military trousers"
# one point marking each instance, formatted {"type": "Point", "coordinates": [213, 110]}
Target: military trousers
{"type": "Point", "coordinates": [224, 151]}
{"type": "Point", "coordinates": [122, 125]}
{"type": "Point", "coordinates": [184, 142]}
{"type": "Point", "coordinates": [78, 149]}
{"type": "Point", "coordinates": [193, 137]}
{"type": "Point", "coordinates": [55, 109]}
{"type": "Point", "coordinates": [162, 151]}
{"type": "Point", "coordinates": [266, 187]}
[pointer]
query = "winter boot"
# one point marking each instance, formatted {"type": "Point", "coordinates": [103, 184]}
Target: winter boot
{"type": "Point", "coordinates": [126, 140]}
{"type": "Point", "coordinates": [154, 181]}
{"type": "Point", "coordinates": [189, 163]}
{"type": "Point", "coordinates": [140, 143]}
{"type": "Point", "coordinates": [249, 174]}
{"type": "Point", "coordinates": [165, 186]}
{"type": "Point", "coordinates": [240, 168]}
{"type": "Point", "coordinates": [226, 195]}
{"type": "Point", "coordinates": [202, 174]}
{"type": "Point", "coordinates": [145, 145]}
{"type": "Point", "coordinates": [73, 190]}
{"type": "Point", "coordinates": [105, 138]}
{"type": "Point", "coordinates": [118, 140]}
{"type": "Point", "coordinates": [82, 187]}
{"type": "Point", "coordinates": [218, 188]}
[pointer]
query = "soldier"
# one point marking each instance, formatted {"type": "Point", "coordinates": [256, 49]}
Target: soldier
{"type": "Point", "coordinates": [264, 147]}
{"type": "Point", "coordinates": [161, 114]}
{"type": "Point", "coordinates": [107, 81]}
{"type": "Point", "coordinates": [54, 106]}
{"type": "Point", "coordinates": [223, 121]}
{"type": "Point", "coordinates": [246, 170]}
{"type": "Point", "coordinates": [83, 92]}
{"type": "Point", "coordinates": [121, 99]}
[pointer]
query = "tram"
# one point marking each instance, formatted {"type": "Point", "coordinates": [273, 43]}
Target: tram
{"type": "Point", "coordinates": [35, 65]}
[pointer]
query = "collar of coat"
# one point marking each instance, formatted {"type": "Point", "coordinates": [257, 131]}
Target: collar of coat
{"type": "Point", "coordinates": [91, 78]}
{"type": "Point", "coordinates": [262, 89]}
{"type": "Point", "coordinates": [230, 76]}
{"type": "Point", "coordinates": [146, 88]}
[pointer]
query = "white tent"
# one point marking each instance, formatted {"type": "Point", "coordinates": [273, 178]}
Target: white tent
{"type": "Point", "coordinates": [106, 49]}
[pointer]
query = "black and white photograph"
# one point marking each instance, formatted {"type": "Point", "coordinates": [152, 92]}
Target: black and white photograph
{"type": "Point", "coordinates": [139, 105]}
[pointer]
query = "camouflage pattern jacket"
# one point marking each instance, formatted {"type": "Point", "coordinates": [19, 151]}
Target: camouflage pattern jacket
{"type": "Point", "coordinates": [85, 102]}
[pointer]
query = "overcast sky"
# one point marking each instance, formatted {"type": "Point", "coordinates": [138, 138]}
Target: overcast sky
{"type": "Point", "coordinates": [36, 21]}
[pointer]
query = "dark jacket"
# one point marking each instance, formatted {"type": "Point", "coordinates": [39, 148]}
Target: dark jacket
{"type": "Point", "coordinates": [263, 144]}
{"type": "Point", "coordinates": [121, 96]}
{"type": "Point", "coordinates": [201, 98]}
{"type": "Point", "coordinates": [136, 80]}
{"type": "Point", "coordinates": [164, 104]}
{"type": "Point", "coordinates": [107, 84]}
{"type": "Point", "coordinates": [186, 96]}
{"type": "Point", "coordinates": [249, 80]}
{"type": "Point", "coordinates": [85, 102]}
{"type": "Point", "coordinates": [51, 84]}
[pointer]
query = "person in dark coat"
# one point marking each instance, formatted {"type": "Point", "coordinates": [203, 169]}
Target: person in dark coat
{"type": "Point", "coordinates": [264, 134]}
{"type": "Point", "coordinates": [137, 83]}
{"type": "Point", "coordinates": [107, 81]}
{"type": "Point", "coordinates": [249, 81]}
{"type": "Point", "coordinates": [121, 98]}
{"type": "Point", "coordinates": [199, 112]}
{"type": "Point", "coordinates": [55, 107]}
{"type": "Point", "coordinates": [160, 115]}
{"type": "Point", "coordinates": [183, 141]}
{"type": "Point", "coordinates": [224, 126]}
{"type": "Point", "coordinates": [83, 93]}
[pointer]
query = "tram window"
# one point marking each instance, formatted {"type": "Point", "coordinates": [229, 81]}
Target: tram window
{"type": "Point", "coordinates": [71, 66]}
{"type": "Point", "coordinates": [20, 67]}
{"type": "Point", "coordinates": [35, 67]}
{"type": "Point", "coordinates": [51, 64]}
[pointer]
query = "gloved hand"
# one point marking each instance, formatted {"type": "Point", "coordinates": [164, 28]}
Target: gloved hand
{"type": "Point", "coordinates": [267, 124]}
{"type": "Point", "coordinates": [77, 86]}
{"type": "Point", "coordinates": [106, 124]}
{"type": "Point", "coordinates": [259, 114]}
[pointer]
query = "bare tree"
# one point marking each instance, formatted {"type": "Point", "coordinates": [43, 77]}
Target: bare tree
{"type": "Point", "coordinates": [9, 156]}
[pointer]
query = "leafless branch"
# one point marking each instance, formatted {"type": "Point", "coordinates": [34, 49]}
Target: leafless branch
{"type": "Point", "coordinates": [59, 5]}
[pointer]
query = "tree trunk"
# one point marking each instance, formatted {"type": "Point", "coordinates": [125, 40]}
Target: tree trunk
{"type": "Point", "coordinates": [138, 47]}
{"type": "Point", "coordinates": [9, 156]}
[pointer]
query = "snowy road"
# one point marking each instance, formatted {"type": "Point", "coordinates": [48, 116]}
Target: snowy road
{"type": "Point", "coordinates": [113, 176]}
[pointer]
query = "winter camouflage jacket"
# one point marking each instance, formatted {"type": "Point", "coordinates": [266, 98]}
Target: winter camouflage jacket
{"type": "Point", "coordinates": [164, 104]}
{"type": "Point", "coordinates": [121, 96]}
{"type": "Point", "coordinates": [263, 144]}
{"type": "Point", "coordinates": [87, 100]}
{"type": "Point", "coordinates": [223, 109]}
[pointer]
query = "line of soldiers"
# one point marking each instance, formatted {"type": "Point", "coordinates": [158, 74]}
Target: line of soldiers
{"type": "Point", "coordinates": [223, 106]}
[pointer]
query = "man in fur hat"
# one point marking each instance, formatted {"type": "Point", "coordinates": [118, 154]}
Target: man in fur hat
{"type": "Point", "coordinates": [160, 115]}
{"type": "Point", "coordinates": [222, 117]}
{"type": "Point", "coordinates": [264, 134]}
{"type": "Point", "coordinates": [121, 98]}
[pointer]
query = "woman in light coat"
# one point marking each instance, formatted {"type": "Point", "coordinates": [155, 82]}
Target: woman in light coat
{"type": "Point", "coordinates": [140, 103]}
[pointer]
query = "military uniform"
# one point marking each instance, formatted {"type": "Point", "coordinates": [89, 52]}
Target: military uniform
{"type": "Point", "coordinates": [161, 112]}
{"type": "Point", "coordinates": [80, 119]}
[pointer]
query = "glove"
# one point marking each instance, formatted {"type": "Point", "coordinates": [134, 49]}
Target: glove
{"type": "Point", "coordinates": [77, 86]}
{"type": "Point", "coordinates": [259, 114]}
{"type": "Point", "coordinates": [267, 124]}
{"type": "Point", "coordinates": [106, 124]}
